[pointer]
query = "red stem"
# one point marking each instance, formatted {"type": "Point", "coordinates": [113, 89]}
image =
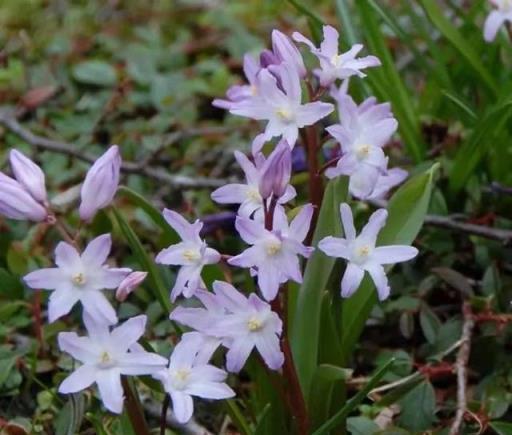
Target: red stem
{"type": "Point", "coordinates": [134, 410]}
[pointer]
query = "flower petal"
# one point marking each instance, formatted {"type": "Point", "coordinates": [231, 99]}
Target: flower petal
{"type": "Point", "coordinates": [392, 254]}
{"type": "Point", "coordinates": [371, 230]}
{"type": "Point", "coordinates": [269, 348]}
{"type": "Point", "coordinates": [98, 307]}
{"type": "Point", "coordinates": [48, 279]}
{"type": "Point", "coordinates": [348, 221]}
{"type": "Point", "coordinates": [182, 405]}
{"type": "Point", "coordinates": [351, 280]}
{"type": "Point", "coordinates": [126, 334]}
{"type": "Point", "coordinates": [80, 348]}
{"type": "Point", "coordinates": [380, 279]}
{"type": "Point", "coordinates": [83, 377]}
{"type": "Point", "coordinates": [97, 251]}
{"type": "Point", "coordinates": [60, 303]}
{"type": "Point", "coordinates": [238, 353]}
{"type": "Point", "coordinates": [111, 391]}
{"type": "Point", "coordinates": [335, 247]}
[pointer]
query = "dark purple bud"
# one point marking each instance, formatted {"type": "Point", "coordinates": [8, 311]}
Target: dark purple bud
{"type": "Point", "coordinates": [267, 58]}
{"type": "Point", "coordinates": [277, 171]}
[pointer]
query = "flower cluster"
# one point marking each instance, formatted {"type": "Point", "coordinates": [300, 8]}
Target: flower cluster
{"type": "Point", "coordinates": [277, 236]}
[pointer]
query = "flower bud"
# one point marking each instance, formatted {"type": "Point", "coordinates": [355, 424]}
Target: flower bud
{"type": "Point", "coordinates": [276, 171]}
{"type": "Point", "coordinates": [130, 283]}
{"type": "Point", "coordinates": [17, 203]}
{"type": "Point", "coordinates": [287, 52]}
{"type": "Point", "coordinates": [267, 58]}
{"type": "Point", "coordinates": [29, 175]}
{"type": "Point", "coordinates": [100, 183]}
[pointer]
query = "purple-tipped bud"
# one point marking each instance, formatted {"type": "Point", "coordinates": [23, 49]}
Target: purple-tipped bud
{"type": "Point", "coordinates": [129, 284]}
{"type": "Point", "coordinates": [100, 183]}
{"type": "Point", "coordinates": [268, 58]}
{"type": "Point", "coordinates": [277, 171]}
{"type": "Point", "coordinates": [29, 175]}
{"type": "Point", "coordinates": [17, 203]}
{"type": "Point", "coordinates": [287, 52]}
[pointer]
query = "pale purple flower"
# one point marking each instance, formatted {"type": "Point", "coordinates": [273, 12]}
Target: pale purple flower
{"type": "Point", "coordinates": [286, 52]}
{"type": "Point", "coordinates": [192, 254]}
{"type": "Point", "coordinates": [189, 374]}
{"type": "Point", "coordinates": [242, 92]}
{"type": "Point", "coordinates": [100, 184]}
{"type": "Point", "coordinates": [80, 278]}
{"type": "Point", "coordinates": [17, 203]}
{"type": "Point", "coordinates": [362, 133]}
{"type": "Point", "coordinates": [362, 255]}
{"type": "Point", "coordinates": [386, 182]}
{"type": "Point", "coordinates": [241, 323]}
{"type": "Point", "coordinates": [276, 172]}
{"type": "Point", "coordinates": [334, 65]}
{"type": "Point", "coordinates": [129, 284]}
{"type": "Point", "coordinates": [248, 195]}
{"type": "Point", "coordinates": [29, 175]}
{"type": "Point", "coordinates": [274, 255]}
{"type": "Point", "coordinates": [105, 356]}
{"type": "Point", "coordinates": [497, 18]}
{"type": "Point", "coordinates": [281, 105]}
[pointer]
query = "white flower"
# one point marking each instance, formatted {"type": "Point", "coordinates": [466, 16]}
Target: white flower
{"type": "Point", "coordinates": [362, 255]}
{"type": "Point", "coordinates": [497, 18]}
{"type": "Point", "coordinates": [105, 356]}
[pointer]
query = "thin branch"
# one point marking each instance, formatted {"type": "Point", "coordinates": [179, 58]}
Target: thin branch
{"type": "Point", "coordinates": [461, 368]}
{"type": "Point", "coordinates": [450, 223]}
{"type": "Point", "coordinates": [154, 173]}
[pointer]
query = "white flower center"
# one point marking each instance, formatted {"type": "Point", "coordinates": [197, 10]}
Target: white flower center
{"type": "Point", "coordinates": [285, 115]}
{"type": "Point", "coordinates": [361, 253]}
{"type": "Point", "coordinates": [253, 194]}
{"type": "Point", "coordinates": [106, 360]}
{"type": "Point", "coordinates": [254, 90]}
{"type": "Point", "coordinates": [363, 151]}
{"type": "Point", "coordinates": [78, 279]}
{"type": "Point", "coordinates": [254, 324]}
{"type": "Point", "coordinates": [180, 377]}
{"type": "Point", "coordinates": [192, 255]}
{"type": "Point", "coordinates": [336, 60]}
{"type": "Point", "coordinates": [273, 247]}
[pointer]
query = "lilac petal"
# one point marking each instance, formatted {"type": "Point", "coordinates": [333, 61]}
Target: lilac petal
{"type": "Point", "coordinates": [60, 303]}
{"type": "Point", "coordinates": [492, 24]}
{"type": "Point", "coordinates": [269, 348]}
{"type": "Point", "coordinates": [83, 377]}
{"type": "Point", "coordinates": [371, 230]}
{"type": "Point", "coordinates": [251, 68]}
{"type": "Point", "coordinates": [269, 279]}
{"type": "Point", "coordinates": [310, 113]}
{"type": "Point", "coordinates": [98, 330]}
{"type": "Point", "coordinates": [330, 44]}
{"type": "Point", "coordinates": [211, 256]}
{"type": "Point", "coordinates": [291, 268]}
{"type": "Point", "coordinates": [184, 353]}
{"type": "Point", "coordinates": [80, 348]}
{"type": "Point", "coordinates": [210, 390]}
{"type": "Point", "coordinates": [348, 221]}
{"type": "Point", "coordinates": [66, 256]}
{"type": "Point", "coordinates": [111, 278]}
{"type": "Point", "coordinates": [196, 318]}
{"type": "Point", "coordinates": [141, 363]}
{"type": "Point", "coordinates": [380, 279]}
{"type": "Point", "coordinates": [386, 182]}
{"type": "Point", "coordinates": [250, 230]}
{"type": "Point", "coordinates": [238, 353]}
{"type": "Point", "coordinates": [182, 405]}
{"type": "Point", "coordinates": [128, 333]}
{"type": "Point", "coordinates": [29, 175]}
{"type": "Point", "coordinates": [363, 181]}
{"type": "Point", "coordinates": [288, 53]}
{"type": "Point", "coordinates": [347, 165]}
{"type": "Point", "coordinates": [111, 391]}
{"type": "Point", "coordinates": [299, 227]}
{"type": "Point", "coordinates": [251, 172]}
{"type": "Point", "coordinates": [173, 255]}
{"type": "Point", "coordinates": [97, 250]}
{"type": "Point", "coordinates": [299, 37]}
{"type": "Point", "coordinates": [185, 230]}
{"type": "Point", "coordinates": [194, 280]}
{"type": "Point", "coordinates": [229, 297]}
{"type": "Point", "coordinates": [290, 134]}
{"type": "Point", "coordinates": [47, 279]}
{"type": "Point", "coordinates": [252, 108]}
{"type": "Point", "coordinates": [98, 307]}
{"type": "Point", "coordinates": [393, 254]}
{"type": "Point", "coordinates": [335, 247]}
{"type": "Point", "coordinates": [231, 194]}
{"type": "Point", "coordinates": [290, 81]}
{"type": "Point", "coordinates": [206, 346]}
{"type": "Point", "coordinates": [351, 280]}
{"type": "Point", "coordinates": [381, 132]}
{"type": "Point", "coordinates": [340, 133]}
{"type": "Point", "coordinates": [180, 283]}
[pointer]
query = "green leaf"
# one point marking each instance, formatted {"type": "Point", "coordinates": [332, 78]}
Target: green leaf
{"type": "Point", "coordinates": [354, 401]}
{"type": "Point", "coordinates": [237, 417]}
{"type": "Point", "coordinates": [169, 235]}
{"type": "Point", "coordinates": [387, 83]}
{"type": "Point", "coordinates": [502, 427]}
{"type": "Point", "coordinates": [306, 324]}
{"type": "Point", "coordinates": [314, 21]}
{"type": "Point", "coordinates": [71, 416]}
{"type": "Point", "coordinates": [406, 213]}
{"type": "Point", "coordinates": [485, 132]}
{"type": "Point", "coordinates": [147, 264]}
{"type": "Point", "coordinates": [418, 408]}
{"type": "Point", "coordinates": [95, 72]}
{"type": "Point", "coordinates": [450, 32]}
{"type": "Point", "coordinates": [362, 426]}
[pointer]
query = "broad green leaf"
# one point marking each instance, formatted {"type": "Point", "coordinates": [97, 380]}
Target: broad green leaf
{"type": "Point", "coordinates": [450, 32]}
{"type": "Point", "coordinates": [485, 132]}
{"type": "Point", "coordinates": [406, 213]}
{"type": "Point", "coordinates": [354, 402]}
{"type": "Point", "coordinates": [306, 324]}
{"type": "Point", "coordinates": [95, 72]}
{"type": "Point", "coordinates": [147, 264]}
{"type": "Point", "coordinates": [362, 426]}
{"type": "Point", "coordinates": [169, 235]}
{"type": "Point", "coordinates": [502, 427]}
{"type": "Point", "coordinates": [387, 83]}
{"type": "Point", "coordinates": [71, 415]}
{"type": "Point", "coordinates": [324, 380]}
{"type": "Point", "coordinates": [418, 408]}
